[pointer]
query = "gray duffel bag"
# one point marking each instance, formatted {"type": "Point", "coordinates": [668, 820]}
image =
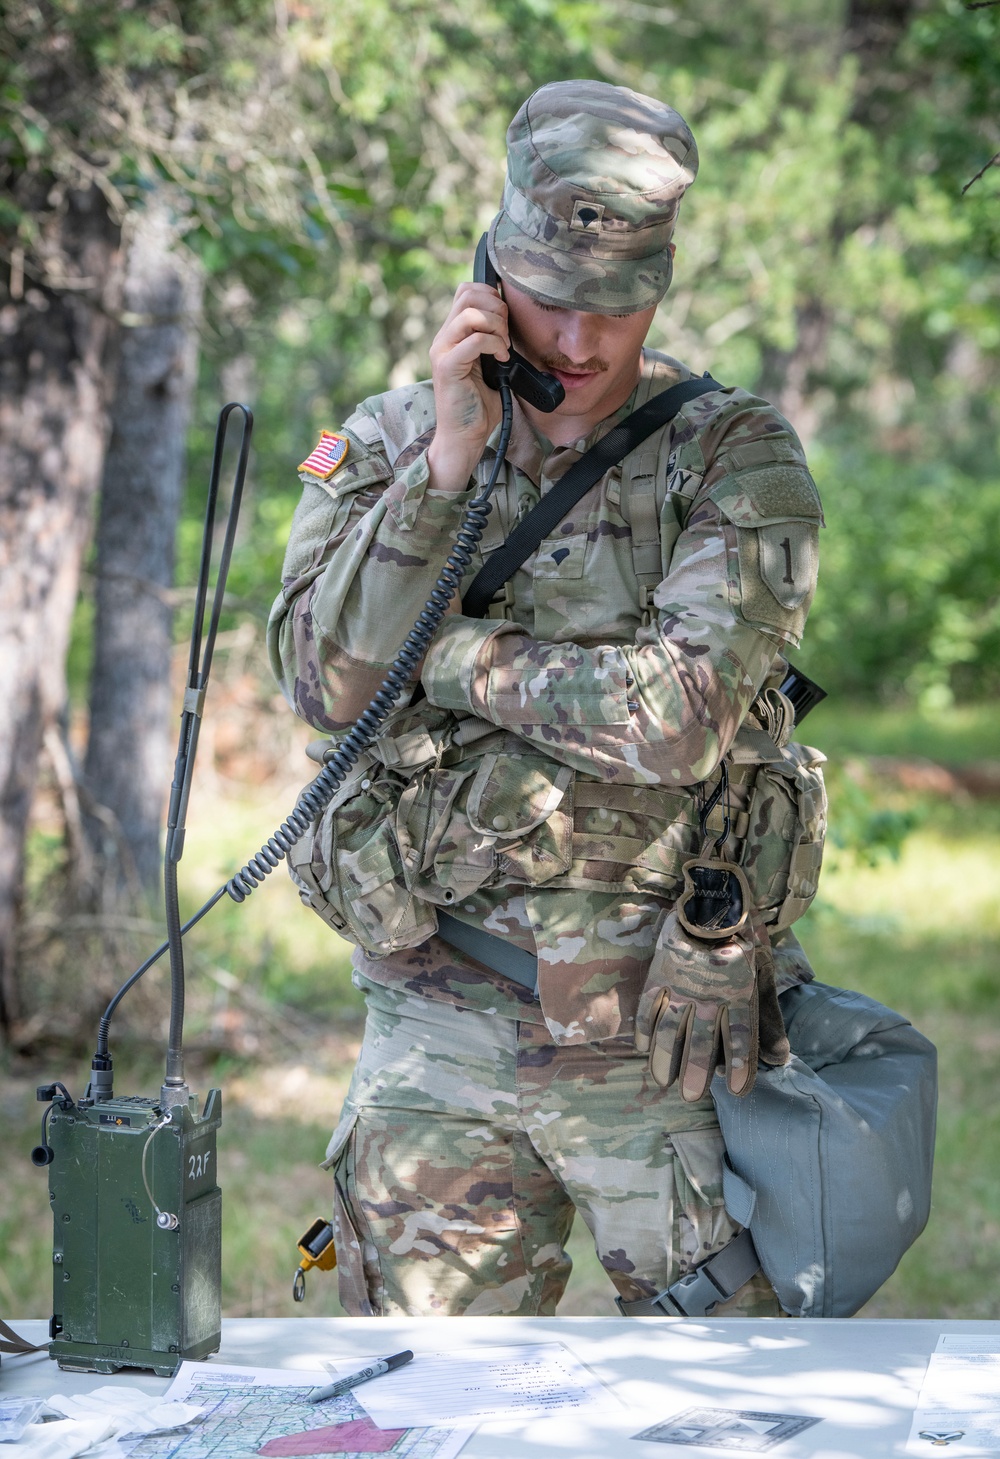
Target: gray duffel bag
{"type": "Point", "coordinates": [830, 1157]}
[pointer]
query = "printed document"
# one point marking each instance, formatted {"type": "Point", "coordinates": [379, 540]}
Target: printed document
{"type": "Point", "coordinates": [959, 1404]}
{"type": "Point", "coordinates": [482, 1385]}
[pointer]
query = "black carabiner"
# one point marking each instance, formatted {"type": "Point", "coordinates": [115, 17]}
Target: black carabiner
{"type": "Point", "coordinates": [720, 793]}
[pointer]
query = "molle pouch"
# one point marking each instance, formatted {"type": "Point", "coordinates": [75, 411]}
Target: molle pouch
{"type": "Point", "coordinates": [423, 815]}
{"type": "Point", "coordinates": [443, 857]}
{"type": "Point", "coordinates": [414, 737]}
{"type": "Point", "coordinates": [523, 804]}
{"type": "Point", "coordinates": [786, 830]}
{"type": "Point", "coordinates": [348, 869]}
{"type": "Point", "coordinates": [463, 861]}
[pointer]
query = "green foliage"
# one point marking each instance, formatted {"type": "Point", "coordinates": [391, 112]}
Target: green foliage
{"type": "Point", "coordinates": [908, 602]}
{"type": "Point", "coordinates": [331, 168]}
{"type": "Point", "coordinates": [955, 735]}
{"type": "Point", "coordinates": [862, 825]}
{"type": "Point", "coordinates": [872, 818]}
{"type": "Point", "coordinates": [826, 256]}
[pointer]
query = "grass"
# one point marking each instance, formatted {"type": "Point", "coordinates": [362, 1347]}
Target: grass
{"type": "Point", "coordinates": [277, 1022]}
{"type": "Point", "coordinates": [953, 736]}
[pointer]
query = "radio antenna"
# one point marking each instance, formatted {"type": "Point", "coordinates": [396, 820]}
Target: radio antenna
{"type": "Point", "coordinates": [175, 1090]}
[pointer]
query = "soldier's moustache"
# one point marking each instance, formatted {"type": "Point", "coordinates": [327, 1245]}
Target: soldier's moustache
{"type": "Point", "coordinates": [595, 365]}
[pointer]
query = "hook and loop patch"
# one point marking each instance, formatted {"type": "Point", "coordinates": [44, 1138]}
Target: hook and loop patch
{"type": "Point", "coordinates": [327, 457]}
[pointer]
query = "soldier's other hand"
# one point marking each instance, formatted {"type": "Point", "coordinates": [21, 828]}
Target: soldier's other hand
{"type": "Point", "coordinates": [467, 409]}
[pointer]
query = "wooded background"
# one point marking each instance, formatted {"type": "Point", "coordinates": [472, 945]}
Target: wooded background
{"type": "Point", "coordinates": [273, 200]}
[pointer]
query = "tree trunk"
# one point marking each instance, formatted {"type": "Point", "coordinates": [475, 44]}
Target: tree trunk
{"type": "Point", "coordinates": [55, 346]}
{"type": "Point", "coordinates": [787, 376]}
{"type": "Point", "coordinates": [872, 31]}
{"type": "Point", "coordinates": [129, 751]}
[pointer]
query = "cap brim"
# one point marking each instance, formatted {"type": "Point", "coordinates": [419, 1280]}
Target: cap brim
{"type": "Point", "coordinates": [576, 280]}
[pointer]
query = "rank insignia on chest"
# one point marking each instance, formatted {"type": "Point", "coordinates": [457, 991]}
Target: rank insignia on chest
{"type": "Point", "coordinates": [328, 455]}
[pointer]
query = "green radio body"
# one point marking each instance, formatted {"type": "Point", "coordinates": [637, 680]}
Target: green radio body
{"type": "Point", "coordinates": [129, 1292]}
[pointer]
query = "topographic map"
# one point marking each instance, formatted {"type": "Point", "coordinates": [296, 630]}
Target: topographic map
{"type": "Point", "coordinates": [249, 1411]}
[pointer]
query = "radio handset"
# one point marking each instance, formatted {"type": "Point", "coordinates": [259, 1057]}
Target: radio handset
{"type": "Point", "coordinates": [533, 386]}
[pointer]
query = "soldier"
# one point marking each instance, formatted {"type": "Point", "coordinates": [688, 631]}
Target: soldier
{"type": "Point", "coordinates": [507, 860]}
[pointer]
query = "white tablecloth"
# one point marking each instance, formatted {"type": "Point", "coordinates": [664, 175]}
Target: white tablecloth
{"type": "Point", "coordinates": [860, 1377]}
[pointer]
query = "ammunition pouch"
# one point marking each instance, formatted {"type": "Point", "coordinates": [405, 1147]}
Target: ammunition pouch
{"type": "Point", "coordinates": [348, 868]}
{"type": "Point", "coordinates": [782, 849]}
{"type": "Point", "coordinates": [442, 807]}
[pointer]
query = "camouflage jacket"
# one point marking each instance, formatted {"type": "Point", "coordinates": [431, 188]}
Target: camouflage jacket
{"type": "Point", "coordinates": [628, 670]}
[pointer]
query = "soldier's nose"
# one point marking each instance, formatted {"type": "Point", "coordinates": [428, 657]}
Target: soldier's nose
{"type": "Point", "coordinates": [578, 337]}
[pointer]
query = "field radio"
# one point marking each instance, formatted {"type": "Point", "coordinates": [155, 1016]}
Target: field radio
{"type": "Point", "coordinates": [136, 1206]}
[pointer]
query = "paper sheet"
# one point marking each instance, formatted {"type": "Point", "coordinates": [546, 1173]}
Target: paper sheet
{"type": "Point", "coordinates": [480, 1385]}
{"type": "Point", "coordinates": [959, 1404]}
{"type": "Point", "coordinates": [251, 1411]}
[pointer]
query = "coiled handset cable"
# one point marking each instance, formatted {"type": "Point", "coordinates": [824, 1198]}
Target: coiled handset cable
{"type": "Point", "coordinates": [318, 794]}
{"type": "Point", "coordinates": [339, 763]}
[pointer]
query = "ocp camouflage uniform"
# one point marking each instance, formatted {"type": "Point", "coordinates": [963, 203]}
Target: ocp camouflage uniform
{"type": "Point", "coordinates": [607, 681]}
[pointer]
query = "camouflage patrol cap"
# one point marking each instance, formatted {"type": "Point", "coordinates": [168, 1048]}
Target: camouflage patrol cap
{"type": "Point", "coordinates": [595, 175]}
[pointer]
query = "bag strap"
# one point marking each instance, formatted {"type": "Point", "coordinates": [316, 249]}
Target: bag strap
{"type": "Point", "coordinates": [698, 1291]}
{"type": "Point", "coordinates": [578, 480]}
{"type": "Point", "coordinates": [17, 1344]}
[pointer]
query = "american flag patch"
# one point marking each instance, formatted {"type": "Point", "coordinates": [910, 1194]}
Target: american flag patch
{"type": "Point", "coordinates": [328, 455]}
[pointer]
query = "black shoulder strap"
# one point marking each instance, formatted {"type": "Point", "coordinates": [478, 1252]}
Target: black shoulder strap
{"type": "Point", "coordinates": [549, 512]}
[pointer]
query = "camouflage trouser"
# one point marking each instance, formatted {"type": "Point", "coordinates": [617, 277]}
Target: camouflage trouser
{"type": "Point", "coordinates": [465, 1144]}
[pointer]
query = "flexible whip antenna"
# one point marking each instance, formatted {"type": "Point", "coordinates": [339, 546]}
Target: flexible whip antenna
{"type": "Point", "coordinates": [175, 1090]}
{"type": "Point", "coordinates": [319, 792]}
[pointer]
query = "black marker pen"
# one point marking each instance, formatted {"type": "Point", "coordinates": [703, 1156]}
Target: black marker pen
{"type": "Point", "coordinates": [344, 1385]}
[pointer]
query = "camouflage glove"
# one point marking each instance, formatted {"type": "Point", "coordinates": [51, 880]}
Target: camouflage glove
{"type": "Point", "coordinates": [710, 988]}
{"type": "Point", "coordinates": [699, 1009]}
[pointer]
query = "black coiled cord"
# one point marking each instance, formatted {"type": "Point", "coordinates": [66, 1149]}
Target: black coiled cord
{"type": "Point", "coordinates": [319, 793]}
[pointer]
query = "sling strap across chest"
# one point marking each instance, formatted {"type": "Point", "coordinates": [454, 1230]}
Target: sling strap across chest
{"type": "Point", "coordinates": [504, 562]}
{"type": "Point", "coordinates": [585, 473]}
{"type": "Point", "coordinates": [623, 438]}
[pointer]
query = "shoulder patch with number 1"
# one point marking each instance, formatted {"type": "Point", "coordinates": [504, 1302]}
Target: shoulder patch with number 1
{"type": "Point", "coordinates": [328, 455]}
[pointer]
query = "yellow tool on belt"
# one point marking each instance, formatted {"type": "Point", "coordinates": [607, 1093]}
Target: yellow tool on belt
{"type": "Point", "coordinates": [317, 1250]}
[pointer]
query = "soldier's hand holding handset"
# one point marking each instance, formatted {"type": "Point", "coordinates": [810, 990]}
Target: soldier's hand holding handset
{"type": "Point", "coordinates": [468, 411]}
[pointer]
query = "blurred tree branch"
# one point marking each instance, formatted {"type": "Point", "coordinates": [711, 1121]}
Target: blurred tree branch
{"type": "Point", "coordinates": [993, 162]}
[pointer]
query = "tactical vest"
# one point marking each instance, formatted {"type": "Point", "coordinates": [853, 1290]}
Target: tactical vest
{"type": "Point", "coordinates": [442, 807]}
